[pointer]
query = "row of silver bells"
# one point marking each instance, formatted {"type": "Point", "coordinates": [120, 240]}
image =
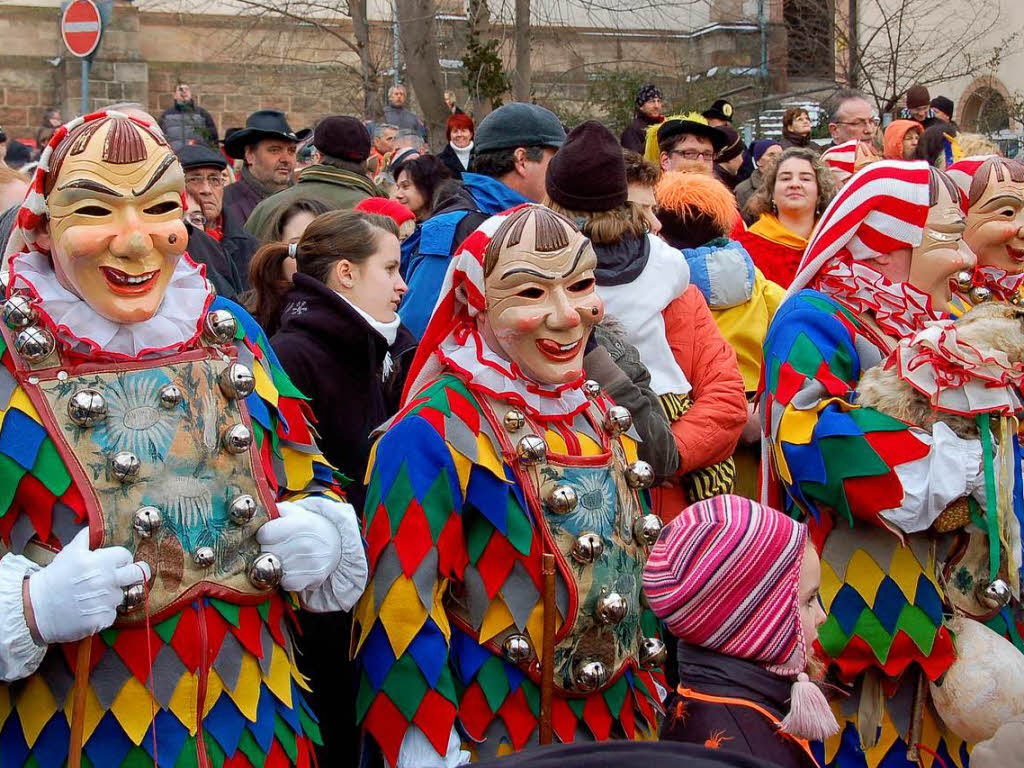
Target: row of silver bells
{"type": "Point", "coordinates": [35, 343]}
{"type": "Point", "coordinates": [994, 594]}
{"type": "Point", "coordinates": [587, 674]}
{"type": "Point", "coordinates": [979, 294]}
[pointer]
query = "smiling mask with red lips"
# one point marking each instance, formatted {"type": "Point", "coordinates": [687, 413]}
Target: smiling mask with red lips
{"type": "Point", "coordinates": [995, 219]}
{"type": "Point", "coordinates": [541, 297]}
{"type": "Point", "coordinates": [115, 229]}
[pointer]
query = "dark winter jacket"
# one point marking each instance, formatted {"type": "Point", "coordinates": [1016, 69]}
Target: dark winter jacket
{"type": "Point", "coordinates": [727, 177]}
{"type": "Point", "coordinates": [220, 269]}
{"type": "Point", "coordinates": [790, 139]}
{"type": "Point", "coordinates": [242, 197]}
{"type": "Point", "coordinates": [337, 360]}
{"type": "Point", "coordinates": [615, 364]}
{"type": "Point", "coordinates": [746, 190]}
{"type": "Point", "coordinates": [185, 124]}
{"type": "Point", "coordinates": [458, 210]}
{"type": "Point", "coordinates": [451, 160]}
{"type": "Point", "coordinates": [404, 120]}
{"type": "Point", "coordinates": [732, 705]}
{"type": "Point", "coordinates": [635, 136]}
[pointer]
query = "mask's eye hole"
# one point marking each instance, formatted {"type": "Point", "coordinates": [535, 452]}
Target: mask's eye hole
{"type": "Point", "coordinates": [165, 207]}
{"type": "Point", "coordinates": [582, 285]}
{"type": "Point", "coordinates": [92, 210]}
{"type": "Point", "coordinates": [531, 293]}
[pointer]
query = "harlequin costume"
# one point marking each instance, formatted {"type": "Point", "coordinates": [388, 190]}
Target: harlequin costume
{"type": "Point", "coordinates": [171, 440]}
{"type": "Point", "coordinates": [874, 490]}
{"type": "Point", "coordinates": [482, 471]}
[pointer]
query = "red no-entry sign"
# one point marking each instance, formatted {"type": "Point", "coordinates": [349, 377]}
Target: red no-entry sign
{"type": "Point", "coordinates": [80, 26]}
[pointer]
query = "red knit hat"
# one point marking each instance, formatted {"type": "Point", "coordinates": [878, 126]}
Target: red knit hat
{"type": "Point", "coordinates": [383, 206]}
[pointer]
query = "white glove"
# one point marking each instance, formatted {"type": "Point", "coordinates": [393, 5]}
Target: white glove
{"type": "Point", "coordinates": [77, 594]}
{"type": "Point", "coordinates": [308, 546]}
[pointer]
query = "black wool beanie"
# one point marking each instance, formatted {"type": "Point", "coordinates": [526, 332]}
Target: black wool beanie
{"type": "Point", "coordinates": [588, 173]}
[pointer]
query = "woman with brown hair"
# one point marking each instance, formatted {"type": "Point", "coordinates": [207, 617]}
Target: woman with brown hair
{"type": "Point", "coordinates": [796, 191]}
{"type": "Point", "coordinates": [344, 347]}
{"type": "Point", "coordinates": [271, 268]}
{"type": "Point", "coordinates": [796, 129]}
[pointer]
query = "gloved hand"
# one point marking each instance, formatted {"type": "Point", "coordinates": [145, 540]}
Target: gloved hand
{"type": "Point", "coordinates": [77, 594]}
{"type": "Point", "coordinates": [308, 545]}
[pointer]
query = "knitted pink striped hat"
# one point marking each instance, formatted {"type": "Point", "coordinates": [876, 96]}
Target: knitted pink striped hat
{"type": "Point", "coordinates": [724, 576]}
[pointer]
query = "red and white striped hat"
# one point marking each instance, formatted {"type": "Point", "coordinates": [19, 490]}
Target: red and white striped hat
{"type": "Point", "coordinates": [841, 157]}
{"type": "Point", "coordinates": [881, 209]}
{"type": "Point", "coordinates": [962, 171]}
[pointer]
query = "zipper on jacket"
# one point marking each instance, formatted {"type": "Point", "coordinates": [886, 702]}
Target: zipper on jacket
{"type": "Point", "coordinates": [203, 758]}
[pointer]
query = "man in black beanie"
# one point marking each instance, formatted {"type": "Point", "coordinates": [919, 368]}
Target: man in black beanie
{"type": "Point", "coordinates": [649, 106]}
{"type": "Point", "coordinates": [338, 177]}
{"type": "Point", "coordinates": [730, 158]}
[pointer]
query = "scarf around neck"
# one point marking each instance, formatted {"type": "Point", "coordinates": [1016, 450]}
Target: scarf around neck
{"type": "Point", "coordinates": [263, 190]}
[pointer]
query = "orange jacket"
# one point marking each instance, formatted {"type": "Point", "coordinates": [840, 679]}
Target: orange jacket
{"type": "Point", "coordinates": [709, 431]}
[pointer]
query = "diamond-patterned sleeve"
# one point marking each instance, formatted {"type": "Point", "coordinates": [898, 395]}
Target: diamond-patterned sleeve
{"type": "Point", "coordinates": [829, 454]}
{"type": "Point", "coordinates": [415, 548]}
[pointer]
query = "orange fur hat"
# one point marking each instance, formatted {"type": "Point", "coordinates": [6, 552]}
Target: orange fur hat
{"type": "Point", "coordinates": [694, 208]}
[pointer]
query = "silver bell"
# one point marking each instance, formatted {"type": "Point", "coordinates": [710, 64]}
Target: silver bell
{"type": "Point", "coordinates": [242, 509]}
{"type": "Point", "coordinates": [87, 408]}
{"type": "Point", "coordinates": [147, 521]}
{"type": "Point", "coordinates": [170, 396]}
{"type": "Point", "coordinates": [266, 571]}
{"type": "Point", "coordinates": [588, 548]}
{"type": "Point", "coordinates": [640, 474]}
{"type": "Point", "coordinates": [591, 389]}
{"type": "Point", "coordinates": [237, 439]}
{"type": "Point", "coordinates": [18, 312]}
{"type": "Point", "coordinates": [652, 653]}
{"type": "Point", "coordinates": [134, 597]}
{"type": "Point", "coordinates": [964, 280]}
{"type": "Point", "coordinates": [204, 557]}
{"type": "Point", "coordinates": [589, 675]}
{"type": "Point", "coordinates": [617, 420]}
{"type": "Point", "coordinates": [220, 326]}
{"type": "Point", "coordinates": [514, 420]}
{"type": "Point", "coordinates": [532, 449]}
{"type": "Point", "coordinates": [647, 529]}
{"type": "Point", "coordinates": [236, 381]}
{"type": "Point", "coordinates": [611, 608]}
{"type": "Point", "coordinates": [562, 499]}
{"type": "Point", "coordinates": [980, 294]}
{"type": "Point", "coordinates": [993, 594]}
{"type": "Point", "coordinates": [517, 649]}
{"type": "Point", "coordinates": [34, 343]}
{"type": "Point", "coordinates": [125, 466]}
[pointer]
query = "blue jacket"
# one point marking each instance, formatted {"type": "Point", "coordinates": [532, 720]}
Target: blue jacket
{"type": "Point", "coordinates": [455, 217]}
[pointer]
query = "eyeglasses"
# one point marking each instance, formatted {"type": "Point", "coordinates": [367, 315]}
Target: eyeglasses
{"type": "Point", "coordinates": [214, 180]}
{"type": "Point", "coordinates": [693, 154]}
{"type": "Point", "coordinates": [861, 124]}
{"type": "Point", "coordinates": [196, 219]}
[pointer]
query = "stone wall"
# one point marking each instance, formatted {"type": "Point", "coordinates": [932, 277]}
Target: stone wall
{"type": "Point", "coordinates": [236, 65]}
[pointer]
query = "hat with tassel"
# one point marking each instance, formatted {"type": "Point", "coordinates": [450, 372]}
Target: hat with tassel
{"type": "Point", "coordinates": [746, 557]}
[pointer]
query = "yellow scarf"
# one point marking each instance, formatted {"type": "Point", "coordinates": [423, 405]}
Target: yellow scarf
{"type": "Point", "coordinates": [770, 228]}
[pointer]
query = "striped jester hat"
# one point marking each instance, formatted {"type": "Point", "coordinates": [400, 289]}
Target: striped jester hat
{"type": "Point", "coordinates": [883, 208]}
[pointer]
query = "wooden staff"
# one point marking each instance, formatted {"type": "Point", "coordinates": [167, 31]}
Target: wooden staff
{"type": "Point", "coordinates": [78, 702]}
{"type": "Point", "coordinates": [547, 664]}
{"type": "Point", "coordinates": [917, 718]}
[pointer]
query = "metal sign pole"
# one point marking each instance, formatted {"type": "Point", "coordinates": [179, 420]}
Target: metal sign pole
{"type": "Point", "coordinates": [85, 85]}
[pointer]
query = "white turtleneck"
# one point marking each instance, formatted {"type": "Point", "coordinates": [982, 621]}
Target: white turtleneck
{"type": "Point", "coordinates": [388, 330]}
{"type": "Point", "coordinates": [462, 153]}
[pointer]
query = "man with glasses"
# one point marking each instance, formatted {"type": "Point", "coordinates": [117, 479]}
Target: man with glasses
{"type": "Point", "coordinates": [688, 143]}
{"type": "Point", "coordinates": [852, 117]}
{"type": "Point", "coordinates": [204, 184]}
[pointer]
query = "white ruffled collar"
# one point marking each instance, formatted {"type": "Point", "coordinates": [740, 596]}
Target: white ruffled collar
{"type": "Point", "coordinates": [176, 324]}
{"type": "Point", "coordinates": [465, 353]}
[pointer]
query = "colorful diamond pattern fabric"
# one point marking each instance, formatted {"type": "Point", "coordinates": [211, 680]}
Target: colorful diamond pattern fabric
{"type": "Point", "coordinates": [445, 517]}
{"type": "Point", "coordinates": [216, 676]}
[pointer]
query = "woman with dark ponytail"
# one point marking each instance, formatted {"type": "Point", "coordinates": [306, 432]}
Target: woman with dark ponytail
{"type": "Point", "coordinates": [272, 266]}
{"type": "Point", "coordinates": [343, 346]}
